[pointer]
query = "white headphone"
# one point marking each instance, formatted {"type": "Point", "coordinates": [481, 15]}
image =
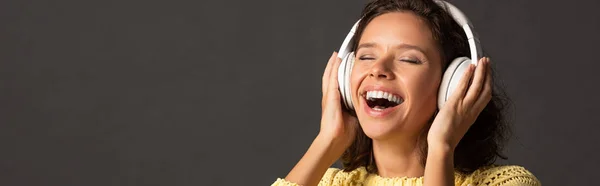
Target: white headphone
{"type": "Point", "coordinates": [451, 77]}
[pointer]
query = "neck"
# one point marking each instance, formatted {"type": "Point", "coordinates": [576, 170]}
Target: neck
{"type": "Point", "coordinates": [398, 158]}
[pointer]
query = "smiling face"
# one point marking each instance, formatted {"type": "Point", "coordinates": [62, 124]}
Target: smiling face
{"type": "Point", "coordinates": [396, 75]}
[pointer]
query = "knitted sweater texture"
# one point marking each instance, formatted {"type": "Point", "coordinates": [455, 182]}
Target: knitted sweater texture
{"type": "Point", "coordinates": [507, 175]}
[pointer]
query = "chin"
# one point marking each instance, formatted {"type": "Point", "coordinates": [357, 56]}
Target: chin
{"type": "Point", "coordinates": [394, 124]}
{"type": "Point", "coordinates": [378, 129]}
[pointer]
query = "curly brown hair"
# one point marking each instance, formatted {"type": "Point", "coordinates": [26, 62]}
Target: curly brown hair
{"type": "Point", "coordinates": [484, 141]}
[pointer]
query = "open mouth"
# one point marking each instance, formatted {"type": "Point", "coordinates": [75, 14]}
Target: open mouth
{"type": "Point", "coordinates": [380, 100]}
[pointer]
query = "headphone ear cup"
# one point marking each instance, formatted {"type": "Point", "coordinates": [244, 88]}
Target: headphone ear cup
{"type": "Point", "coordinates": [451, 78]}
{"type": "Point", "coordinates": [349, 65]}
{"type": "Point", "coordinates": [344, 72]}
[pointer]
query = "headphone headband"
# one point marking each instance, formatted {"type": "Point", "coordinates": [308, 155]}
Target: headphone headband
{"type": "Point", "coordinates": [346, 48]}
{"type": "Point", "coordinates": [459, 17]}
{"type": "Point", "coordinates": [467, 26]}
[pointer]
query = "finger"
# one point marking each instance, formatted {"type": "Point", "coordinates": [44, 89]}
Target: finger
{"type": "Point", "coordinates": [333, 80]}
{"type": "Point", "coordinates": [327, 71]}
{"type": "Point", "coordinates": [325, 78]}
{"type": "Point", "coordinates": [477, 83]}
{"type": "Point", "coordinates": [486, 93]}
{"type": "Point", "coordinates": [461, 88]}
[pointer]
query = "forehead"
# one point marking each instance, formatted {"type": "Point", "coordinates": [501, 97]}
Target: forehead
{"type": "Point", "coordinates": [397, 28]}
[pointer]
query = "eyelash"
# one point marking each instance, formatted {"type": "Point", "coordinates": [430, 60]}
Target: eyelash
{"type": "Point", "coordinates": [411, 61]}
{"type": "Point", "coordinates": [405, 60]}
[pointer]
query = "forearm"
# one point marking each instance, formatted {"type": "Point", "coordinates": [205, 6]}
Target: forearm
{"type": "Point", "coordinates": [321, 154]}
{"type": "Point", "coordinates": [439, 168]}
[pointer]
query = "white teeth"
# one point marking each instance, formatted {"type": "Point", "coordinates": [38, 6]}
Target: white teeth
{"type": "Point", "coordinates": [386, 95]}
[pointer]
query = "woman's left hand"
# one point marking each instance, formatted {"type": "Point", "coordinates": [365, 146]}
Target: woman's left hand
{"type": "Point", "coordinates": [462, 109]}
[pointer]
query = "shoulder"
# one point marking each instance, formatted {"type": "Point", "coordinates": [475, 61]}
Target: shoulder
{"type": "Point", "coordinates": [339, 177]}
{"type": "Point", "coordinates": [503, 175]}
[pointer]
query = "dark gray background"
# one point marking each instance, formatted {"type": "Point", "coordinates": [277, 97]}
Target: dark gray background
{"type": "Point", "coordinates": [183, 92]}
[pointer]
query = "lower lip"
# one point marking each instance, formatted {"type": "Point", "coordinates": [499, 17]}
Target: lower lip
{"type": "Point", "coordinates": [377, 113]}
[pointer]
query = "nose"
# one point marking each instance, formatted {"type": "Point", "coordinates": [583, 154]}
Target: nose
{"type": "Point", "coordinates": [381, 70]}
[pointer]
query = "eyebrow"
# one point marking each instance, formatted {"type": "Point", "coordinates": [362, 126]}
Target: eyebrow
{"type": "Point", "coordinates": [401, 46]}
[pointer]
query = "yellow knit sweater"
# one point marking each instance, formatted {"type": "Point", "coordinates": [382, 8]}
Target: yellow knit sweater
{"type": "Point", "coordinates": [490, 176]}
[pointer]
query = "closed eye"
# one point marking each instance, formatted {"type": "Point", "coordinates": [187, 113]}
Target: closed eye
{"type": "Point", "coordinates": [411, 61]}
{"type": "Point", "coordinates": [366, 58]}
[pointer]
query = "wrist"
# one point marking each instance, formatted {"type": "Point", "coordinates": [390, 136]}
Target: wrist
{"type": "Point", "coordinates": [330, 147]}
{"type": "Point", "coordinates": [338, 142]}
{"type": "Point", "coordinates": [439, 168]}
{"type": "Point", "coordinates": [440, 149]}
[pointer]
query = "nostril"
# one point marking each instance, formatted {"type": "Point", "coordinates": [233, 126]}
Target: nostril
{"type": "Point", "coordinates": [379, 75]}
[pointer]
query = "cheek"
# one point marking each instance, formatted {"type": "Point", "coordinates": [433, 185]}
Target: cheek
{"type": "Point", "coordinates": [423, 86]}
{"type": "Point", "coordinates": [356, 76]}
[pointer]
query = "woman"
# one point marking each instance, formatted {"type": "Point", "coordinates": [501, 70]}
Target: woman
{"type": "Point", "coordinates": [402, 50]}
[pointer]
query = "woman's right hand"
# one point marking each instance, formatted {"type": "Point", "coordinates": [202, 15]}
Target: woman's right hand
{"type": "Point", "coordinates": [337, 132]}
{"type": "Point", "coordinates": [337, 126]}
